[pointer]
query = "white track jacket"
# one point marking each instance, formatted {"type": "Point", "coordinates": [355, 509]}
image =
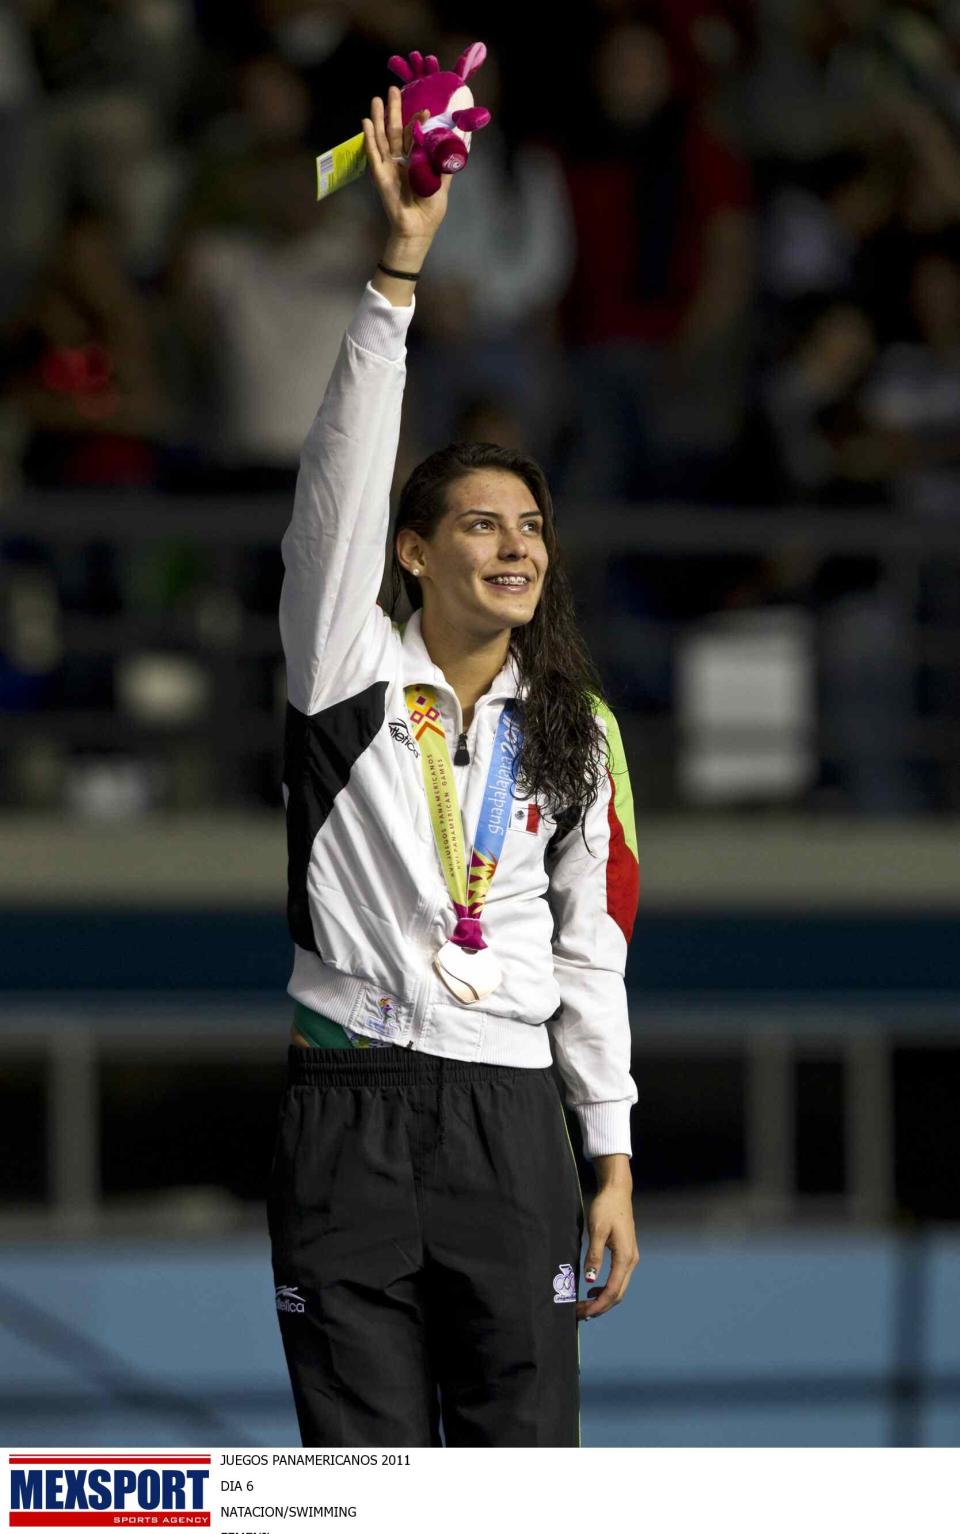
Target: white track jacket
{"type": "Point", "coordinates": [368, 906]}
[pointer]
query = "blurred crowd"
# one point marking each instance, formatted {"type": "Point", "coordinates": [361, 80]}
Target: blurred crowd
{"type": "Point", "coordinates": [708, 251]}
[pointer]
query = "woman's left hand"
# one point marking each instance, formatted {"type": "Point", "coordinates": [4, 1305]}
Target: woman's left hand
{"type": "Point", "coordinates": [611, 1224]}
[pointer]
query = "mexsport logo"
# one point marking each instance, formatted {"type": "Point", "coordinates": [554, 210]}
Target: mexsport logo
{"type": "Point", "coordinates": [83, 1491]}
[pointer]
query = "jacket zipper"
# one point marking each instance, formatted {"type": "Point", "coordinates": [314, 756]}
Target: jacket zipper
{"type": "Point", "coordinates": [462, 756]}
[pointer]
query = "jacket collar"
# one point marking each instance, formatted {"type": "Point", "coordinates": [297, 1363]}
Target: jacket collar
{"type": "Point", "coordinates": [417, 666]}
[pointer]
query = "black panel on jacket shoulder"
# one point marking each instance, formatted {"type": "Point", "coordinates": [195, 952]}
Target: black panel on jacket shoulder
{"type": "Point", "coordinates": [319, 752]}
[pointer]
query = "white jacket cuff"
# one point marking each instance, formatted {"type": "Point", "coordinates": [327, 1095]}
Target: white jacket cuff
{"type": "Point", "coordinates": [605, 1128]}
{"type": "Point", "coordinates": [378, 326]}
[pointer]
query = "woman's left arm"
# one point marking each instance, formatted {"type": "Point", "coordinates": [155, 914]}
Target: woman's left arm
{"type": "Point", "coordinates": [593, 893]}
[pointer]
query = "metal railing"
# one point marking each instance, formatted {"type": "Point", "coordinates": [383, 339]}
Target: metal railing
{"type": "Point", "coordinates": [72, 1038]}
{"type": "Point", "coordinates": [227, 639]}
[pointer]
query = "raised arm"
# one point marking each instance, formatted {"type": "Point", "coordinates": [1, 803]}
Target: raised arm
{"type": "Point", "coordinates": [413, 220]}
{"type": "Point", "coordinates": [333, 549]}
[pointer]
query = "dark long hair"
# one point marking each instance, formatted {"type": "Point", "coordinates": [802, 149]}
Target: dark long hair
{"type": "Point", "coordinates": [562, 758]}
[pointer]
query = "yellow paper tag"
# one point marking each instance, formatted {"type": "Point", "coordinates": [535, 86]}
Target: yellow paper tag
{"type": "Point", "coordinates": [339, 166]}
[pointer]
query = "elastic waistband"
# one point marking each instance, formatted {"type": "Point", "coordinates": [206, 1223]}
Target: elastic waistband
{"type": "Point", "coordinates": [391, 1066]}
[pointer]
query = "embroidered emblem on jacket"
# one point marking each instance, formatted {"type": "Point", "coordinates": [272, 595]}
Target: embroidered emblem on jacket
{"type": "Point", "coordinates": [527, 818]}
{"type": "Point", "coordinates": [386, 1022]}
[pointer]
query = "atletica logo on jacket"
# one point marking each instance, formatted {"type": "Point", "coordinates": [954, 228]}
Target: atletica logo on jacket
{"type": "Point", "coordinates": [400, 730]}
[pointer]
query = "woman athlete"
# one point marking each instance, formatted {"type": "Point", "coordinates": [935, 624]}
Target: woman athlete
{"type": "Point", "coordinates": [451, 919]}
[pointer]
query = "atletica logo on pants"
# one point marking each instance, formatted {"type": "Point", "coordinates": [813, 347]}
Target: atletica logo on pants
{"type": "Point", "coordinates": [289, 1299]}
{"type": "Point", "coordinates": [565, 1285]}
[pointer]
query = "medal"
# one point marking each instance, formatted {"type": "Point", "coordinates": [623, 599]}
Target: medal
{"type": "Point", "coordinates": [470, 973]}
{"type": "Point", "coordinates": [465, 963]}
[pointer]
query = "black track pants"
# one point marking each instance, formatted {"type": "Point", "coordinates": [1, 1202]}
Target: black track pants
{"type": "Point", "coordinates": [426, 1224]}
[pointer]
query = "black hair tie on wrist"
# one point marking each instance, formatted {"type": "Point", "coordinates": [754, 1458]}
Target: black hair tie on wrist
{"type": "Point", "coordinates": [391, 272]}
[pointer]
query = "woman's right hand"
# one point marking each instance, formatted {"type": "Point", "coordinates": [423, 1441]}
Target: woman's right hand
{"type": "Point", "coordinates": [411, 218]}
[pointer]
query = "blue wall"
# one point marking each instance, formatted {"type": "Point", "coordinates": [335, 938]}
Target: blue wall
{"type": "Point", "coordinates": [201, 950]}
{"type": "Point", "coordinates": [732, 1341]}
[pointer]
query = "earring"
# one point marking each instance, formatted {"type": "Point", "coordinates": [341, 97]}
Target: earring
{"type": "Point", "coordinates": [416, 569]}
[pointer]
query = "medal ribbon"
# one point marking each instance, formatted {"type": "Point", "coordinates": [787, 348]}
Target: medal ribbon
{"type": "Point", "coordinates": [468, 892]}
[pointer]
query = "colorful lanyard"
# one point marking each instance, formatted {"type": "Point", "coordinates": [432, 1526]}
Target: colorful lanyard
{"type": "Point", "coordinates": [468, 894]}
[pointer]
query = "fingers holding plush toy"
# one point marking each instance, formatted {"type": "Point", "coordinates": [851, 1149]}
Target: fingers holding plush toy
{"type": "Point", "coordinates": [388, 147]}
{"type": "Point", "coordinates": [425, 127]}
{"type": "Point", "coordinates": [442, 142]}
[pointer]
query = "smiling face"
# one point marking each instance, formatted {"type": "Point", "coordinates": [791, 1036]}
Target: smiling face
{"type": "Point", "coordinates": [492, 527]}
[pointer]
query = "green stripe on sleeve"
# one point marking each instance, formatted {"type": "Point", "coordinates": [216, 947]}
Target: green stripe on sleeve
{"type": "Point", "coordinates": [623, 793]}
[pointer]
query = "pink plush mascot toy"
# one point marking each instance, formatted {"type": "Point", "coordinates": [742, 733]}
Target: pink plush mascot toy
{"type": "Point", "coordinates": [441, 144]}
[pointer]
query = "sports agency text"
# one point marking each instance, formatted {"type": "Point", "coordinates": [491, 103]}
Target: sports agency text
{"type": "Point", "coordinates": [51, 1492]}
